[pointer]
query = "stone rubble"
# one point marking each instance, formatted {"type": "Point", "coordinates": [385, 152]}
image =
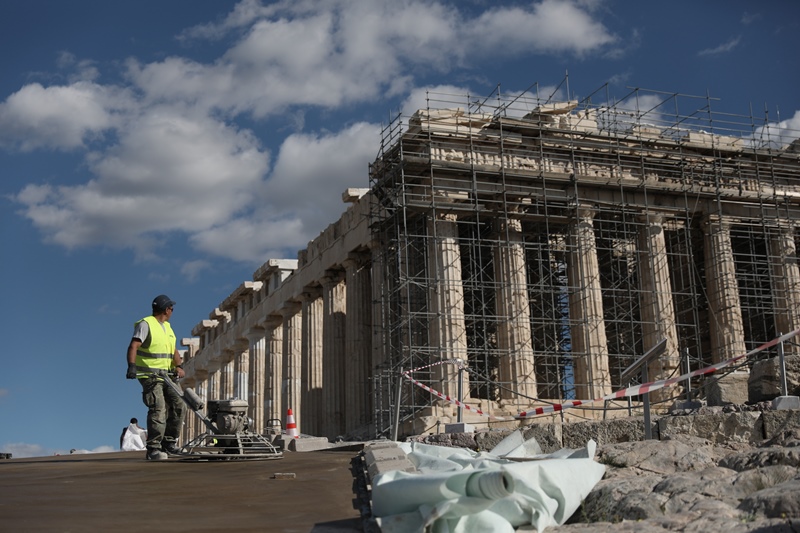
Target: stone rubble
{"type": "Point", "coordinates": [725, 469]}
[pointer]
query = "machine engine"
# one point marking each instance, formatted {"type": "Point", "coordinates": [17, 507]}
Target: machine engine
{"type": "Point", "coordinates": [229, 416]}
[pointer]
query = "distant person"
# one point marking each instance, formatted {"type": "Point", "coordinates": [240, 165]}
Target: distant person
{"type": "Point", "coordinates": [151, 352]}
{"type": "Point", "coordinates": [133, 437]}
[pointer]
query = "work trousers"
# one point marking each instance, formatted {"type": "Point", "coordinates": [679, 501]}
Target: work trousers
{"type": "Point", "coordinates": [164, 415]}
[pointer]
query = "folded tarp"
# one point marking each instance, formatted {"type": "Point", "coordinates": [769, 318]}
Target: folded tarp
{"type": "Point", "coordinates": [459, 490]}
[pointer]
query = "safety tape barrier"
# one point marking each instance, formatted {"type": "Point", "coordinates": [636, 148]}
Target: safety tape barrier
{"type": "Point", "coordinates": [455, 401]}
{"type": "Point", "coordinates": [636, 390]}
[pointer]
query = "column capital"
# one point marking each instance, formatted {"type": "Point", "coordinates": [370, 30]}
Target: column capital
{"type": "Point", "coordinates": [712, 222]}
{"type": "Point", "coordinates": [786, 226]}
{"type": "Point", "coordinates": [241, 344]}
{"type": "Point", "coordinates": [310, 293]}
{"type": "Point", "coordinates": [271, 321]}
{"type": "Point", "coordinates": [331, 278]}
{"type": "Point", "coordinates": [656, 219]}
{"type": "Point", "coordinates": [355, 260]}
{"type": "Point", "coordinates": [585, 212]}
{"type": "Point", "coordinates": [255, 333]}
{"type": "Point", "coordinates": [289, 308]}
{"type": "Point", "coordinates": [446, 216]}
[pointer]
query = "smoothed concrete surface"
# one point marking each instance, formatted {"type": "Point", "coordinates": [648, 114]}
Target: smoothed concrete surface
{"type": "Point", "coordinates": [123, 492]}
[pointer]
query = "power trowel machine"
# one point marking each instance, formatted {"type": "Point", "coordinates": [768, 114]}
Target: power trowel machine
{"type": "Point", "coordinates": [228, 436]}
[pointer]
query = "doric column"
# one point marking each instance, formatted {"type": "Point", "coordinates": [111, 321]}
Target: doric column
{"type": "Point", "coordinates": [194, 426]}
{"type": "Point", "coordinates": [241, 370]}
{"type": "Point", "coordinates": [727, 330]}
{"type": "Point", "coordinates": [513, 309]}
{"type": "Point", "coordinates": [379, 318]}
{"type": "Point", "coordinates": [227, 375]}
{"type": "Point", "coordinates": [358, 348]}
{"type": "Point", "coordinates": [448, 335]}
{"type": "Point", "coordinates": [658, 312]}
{"type": "Point", "coordinates": [587, 326]}
{"type": "Point", "coordinates": [257, 377]}
{"type": "Point", "coordinates": [213, 384]}
{"type": "Point", "coordinates": [311, 396]}
{"type": "Point", "coordinates": [785, 277]}
{"type": "Point", "coordinates": [188, 420]}
{"type": "Point", "coordinates": [292, 359]}
{"type": "Point", "coordinates": [333, 353]}
{"type": "Point", "coordinates": [214, 368]}
{"type": "Point", "coordinates": [380, 366]}
{"type": "Point", "coordinates": [273, 408]}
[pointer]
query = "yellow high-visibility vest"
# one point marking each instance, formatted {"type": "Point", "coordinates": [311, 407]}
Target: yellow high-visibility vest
{"type": "Point", "coordinates": [156, 354]}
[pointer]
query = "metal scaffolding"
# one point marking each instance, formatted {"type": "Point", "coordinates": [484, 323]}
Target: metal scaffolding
{"type": "Point", "coordinates": [549, 244]}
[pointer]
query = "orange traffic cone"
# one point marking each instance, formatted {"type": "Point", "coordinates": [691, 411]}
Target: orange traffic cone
{"type": "Point", "coordinates": [291, 427]}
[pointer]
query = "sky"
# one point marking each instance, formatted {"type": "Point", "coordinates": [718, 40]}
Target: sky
{"type": "Point", "coordinates": [151, 147]}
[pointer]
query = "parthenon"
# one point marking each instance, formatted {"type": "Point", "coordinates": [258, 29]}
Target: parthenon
{"type": "Point", "coordinates": [544, 245]}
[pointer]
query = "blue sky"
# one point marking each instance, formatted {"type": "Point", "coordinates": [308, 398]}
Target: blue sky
{"type": "Point", "coordinates": [172, 147]}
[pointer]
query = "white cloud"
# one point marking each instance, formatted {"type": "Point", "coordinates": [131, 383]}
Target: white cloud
{"type": "Point", "coordinates": [59, 117]}
{"type": "Point", "coordinates": [165, 156]}
{"type": "Point", "coordinates": [424, 97]}
{"type": "Point", "coordinates": [191, 270]}
{"type": "Point", "coordinates": [342, 52]}
{"type": "Point", "coordinates": [301, 196]}
{"type": "Point", "coordinates": [721, 49]}
{"type": "Point", "coordinates": [169, 172]}
{"type": "Point", "coordinates": [777, 134]}
{"type": "Point", "coordinates": [20, 450]}
{"type": "Point", "coordinates": [550, 26]}
{"type": "Point", "coordinates": [749, 18]}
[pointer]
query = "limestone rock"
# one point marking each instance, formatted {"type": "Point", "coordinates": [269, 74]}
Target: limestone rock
{"type": "Point", "coordinates": [765, 378]}
{"type": "Point", "coordinates": [762, 457]}
{"type": "Point", "coordinates": [659, 457]}
{"type": "Point", "coordinates": [631, 429]}
{"type": "Point", "coordinates": [734, 427]}
{"type": "Point", "coordinates": [778, 501]}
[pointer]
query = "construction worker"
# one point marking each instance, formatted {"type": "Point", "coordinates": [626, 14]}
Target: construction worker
{"type": "Point", "coordinates": [151, 352]}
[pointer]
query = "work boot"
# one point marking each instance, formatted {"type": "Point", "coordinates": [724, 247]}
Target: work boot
{"type": "Point", "coordinates": [156, 455]}
{"type": "Point", "coordinates": [170, 448]}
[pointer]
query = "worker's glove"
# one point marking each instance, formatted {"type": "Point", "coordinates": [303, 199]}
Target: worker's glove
{"type": "Point", "coordinates": [131, 371]}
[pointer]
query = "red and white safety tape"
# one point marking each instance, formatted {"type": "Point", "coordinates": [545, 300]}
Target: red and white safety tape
{"type": "Point", "coordinates": [623, 393]}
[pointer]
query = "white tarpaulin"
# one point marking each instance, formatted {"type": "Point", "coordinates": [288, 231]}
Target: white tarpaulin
{"type": "Point", "coordinates": [132, 441]}
{"type": "Point", "coordinates": [459, 490]}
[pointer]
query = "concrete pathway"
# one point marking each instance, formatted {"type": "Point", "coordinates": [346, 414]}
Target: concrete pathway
{"type": "Point", "coordinates": [123, 492]}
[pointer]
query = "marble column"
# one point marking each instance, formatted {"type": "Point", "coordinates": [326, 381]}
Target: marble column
{"type": "Point", "coordinates": [785, 278]}
{"type": "Point", "coordinates": [188, 420]}
{"type": "Point", "coordinates": [358, 349]}
{"type": "Point", "coordinates": [273, 408]}
{"type": "Point", "coordinates": [448, 335]}
{"type": "Point", "coordinates": [587, 326]}
{"type": "Point", "coordinates": [658, 312]}
{"type": "Point", "coordinates": [213, 384]}
{"type": "Point", "coordinates": [241, 370]}
{"type": "Point", "coordinates": [514, 342]}
{"type": "Point", "coordinates": [227, 375]}
{"type": "Point", "coordinates": [311, 299]}
{"type": "Point", "coordinates": [380, 365]}
{"type": "Point", "coordinates": [195, 425]}
{"type": "Point", "coordinates": [292, 361]}
{"type": "Point", "coordinates": [333, 353]}
{"type": "Point", "coordinates": [726, 325]}
{"type": "Point", "coordinates": [727, 329]}
{"type": "Point", "coordinates": [257, 377]}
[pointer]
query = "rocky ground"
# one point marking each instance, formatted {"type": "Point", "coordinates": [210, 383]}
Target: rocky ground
{"type": "Point", "coordinates": [711, 470]}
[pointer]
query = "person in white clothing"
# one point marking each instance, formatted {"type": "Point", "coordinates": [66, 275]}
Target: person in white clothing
{"type": "Point", "coordinates": [133, 437]}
